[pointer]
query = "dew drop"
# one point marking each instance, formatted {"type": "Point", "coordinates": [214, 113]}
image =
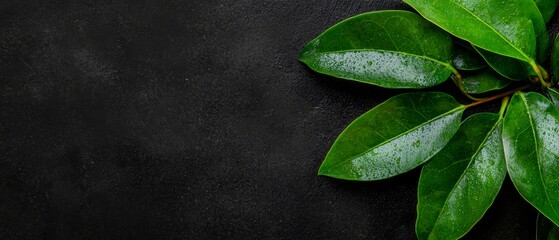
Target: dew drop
{"type": "Point", "coordinates": [417, 143]}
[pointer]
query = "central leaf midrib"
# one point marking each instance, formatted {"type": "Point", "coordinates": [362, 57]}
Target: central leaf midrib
{"type": "Point", "coordinates": [395, 137]}
{"type": "Point", "coordinates": [464, 173]}
{"type": "Point", "coordinates": [447, 65]}
{"type": "Point", "coordinates": [534, 135]}
{"type": "Point", "coordinates": [494, 30]}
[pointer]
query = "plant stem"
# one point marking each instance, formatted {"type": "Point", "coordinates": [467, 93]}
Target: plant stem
{"type": "Point", "coordinates": [504, 105]}
{"type": "Point", "coordinates": [458, 82]}
{"type": "Point", "coordinates": [545, 75]}
{"type": "Point", "coordinates": [539, 74]}
{"type": "Point", "coordinates": [504, 94]}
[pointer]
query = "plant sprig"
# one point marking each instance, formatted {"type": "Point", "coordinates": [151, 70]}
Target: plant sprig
{"type": "Point", "coordinates": [497, 48]}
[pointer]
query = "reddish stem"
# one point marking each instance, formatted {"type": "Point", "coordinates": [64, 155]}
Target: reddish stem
{"type": "Point", "coordinates": [504, 94]}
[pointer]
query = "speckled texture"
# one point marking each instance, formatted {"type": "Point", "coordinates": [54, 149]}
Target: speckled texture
{"type": "Point", "coordinates": [190, 120]}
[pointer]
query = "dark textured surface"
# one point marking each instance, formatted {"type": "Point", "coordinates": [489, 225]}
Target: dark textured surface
{"type": "Point", "coordinates": [190, 120]}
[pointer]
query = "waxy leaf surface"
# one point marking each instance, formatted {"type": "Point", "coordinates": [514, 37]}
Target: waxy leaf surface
{"type": "Point", "coordinates": [392, 49]}
{"type": "Point", "coordinates": [510, 68]}
{"type": "Point", "coordinates": [507, 28]}
{"type": "Point", "coordinates": [394, 137]}
{"type": "Point", "coordinates": [459, 184]}
{"type": "Point", "coordinates": [547, 8]}
{"type": "Point", "coordinates": [483, 82]}
{"type": "Point", "coordinates": [545, 229]}
{"type": "Point", "coordinates": [531, 143]}
{"type": "Point", "coordinates": [467, 59]}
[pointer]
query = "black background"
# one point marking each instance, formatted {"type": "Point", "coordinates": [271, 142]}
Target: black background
{"type": "Point", "coordinates": [191, 119]}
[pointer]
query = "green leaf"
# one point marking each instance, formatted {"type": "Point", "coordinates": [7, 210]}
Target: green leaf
{"type": "Point", "coordinates": [466, 59]}
{"type": "Point", "coordinates": [553, 95]}
{"type": "Point", "coordinates": [555, 59]}
{"type": "Point", "coordinates": [394, 137]}
{"type": "Point", "coordinates": [459, 184]}
{"type": "Point", "coordinates": [542, 43]}
{"type": "Point", "coordinates": [547, 8]}
{"type": "Point", "coordinates": [485, 81]}
{"type": "Point", "coordinates": [510, 68]}
{"type": "Point", "coordinates": [392, 49]}
{"type": "Point", "coordinates": [531, 142]}
{"type": "Point", "coordinates": [508, 28]}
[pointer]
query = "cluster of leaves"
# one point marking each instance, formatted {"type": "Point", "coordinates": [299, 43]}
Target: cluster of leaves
{"type": "Point", "coordinates": [491, 49]}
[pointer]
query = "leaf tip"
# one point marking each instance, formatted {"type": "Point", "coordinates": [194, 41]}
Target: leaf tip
{"type": "Point", "coordinates": [322, 172]}
{"type": "Point", "coordinates": [325, 170]}
{"type": "Point", "coordinates": [302, 57]}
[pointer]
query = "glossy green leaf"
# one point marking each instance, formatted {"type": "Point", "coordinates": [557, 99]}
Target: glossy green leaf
{"type": "Point", "coordinates": [547, 8]}
{"type": "Point", "coordinates": [555, 59]}
{"type": "Point", "coordinates": [531, 142]}
{"type": "Point", "coordinates": [507, 28]}
{"type": "Point", "coordinates": [542, 36]}
{"type": "Point", "coordinates": [459, 184]}
{"type": "Point", "coordinates": [543, 46]}
{"type": "Point", "coordinates": [394, 137]}
{"type": "Point", "coordinates": [392, 49]}
{"type": "Point", "coordinates": [553, 95]}
{"type": "Point", "coordinates": [467, 59]}
{"type": "Point", "coordinates": [545, 229]}
{"type": "Point", "coordinates": [485, 81]}
{"type": "Point", "coordinates": [510, 68]}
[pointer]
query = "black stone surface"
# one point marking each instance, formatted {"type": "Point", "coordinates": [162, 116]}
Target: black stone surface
{"type": "Point", "coordinates": [161, 119]}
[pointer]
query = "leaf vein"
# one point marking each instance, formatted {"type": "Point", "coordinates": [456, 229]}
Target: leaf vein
{"type": "Point", "coordinates": [534, 135]}
{"type": "Point", "coordinates": [472, 159]}
{"type": "Point", "coordinates": [494, 30]}
{"type": "Point", "coordinates": [397, 136]}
